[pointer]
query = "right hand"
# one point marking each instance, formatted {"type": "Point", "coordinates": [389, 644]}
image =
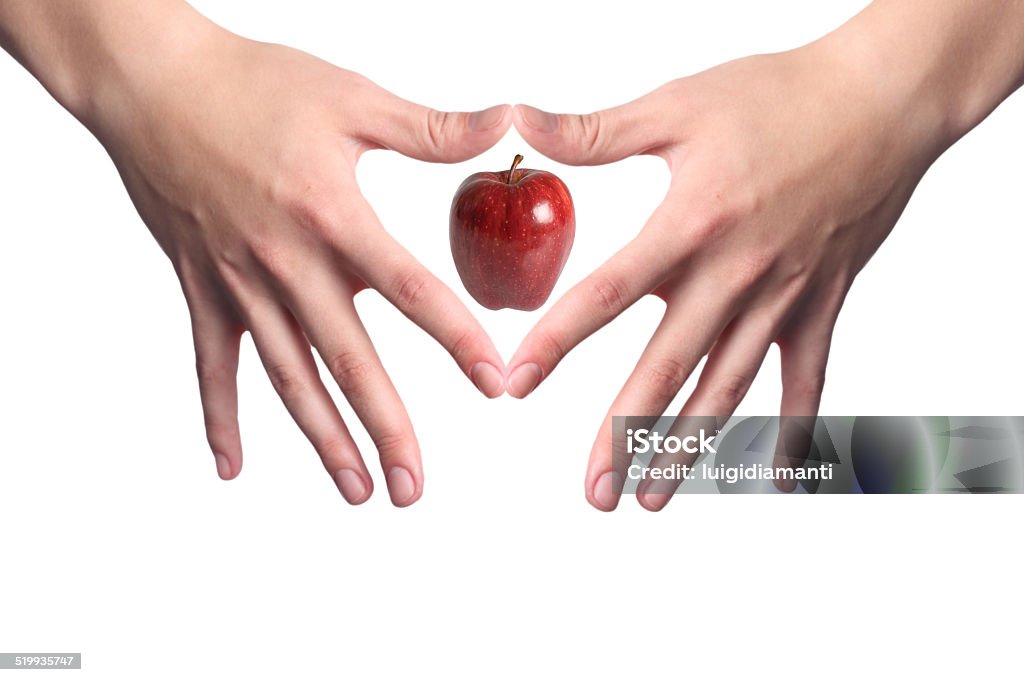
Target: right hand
{"type": "Point", "coordinates": [240, 157]}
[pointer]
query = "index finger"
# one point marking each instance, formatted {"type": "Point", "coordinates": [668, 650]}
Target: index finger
{"type": "Point", "coordinates": [388, 267]}
{"type": "Point", "coordinates": [625, 278]}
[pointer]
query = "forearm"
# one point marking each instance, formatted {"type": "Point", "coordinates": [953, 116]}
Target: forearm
{"type": "Point", "coordinates": [82, 50]}
{"type": "Point", "coordinates": [955, 60]}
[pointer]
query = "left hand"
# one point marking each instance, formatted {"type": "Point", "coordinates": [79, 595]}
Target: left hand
{"type": "Point", "coordinates": [788, 171]}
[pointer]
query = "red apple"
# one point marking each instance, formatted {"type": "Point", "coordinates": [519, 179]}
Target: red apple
{"type": "Point", "coordinates": [511, 233]}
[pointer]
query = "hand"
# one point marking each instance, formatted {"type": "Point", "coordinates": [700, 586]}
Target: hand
{"type": "Point", "coordinates": [788, 171]}
{"type": "Point", "coordinates": [240, 157]}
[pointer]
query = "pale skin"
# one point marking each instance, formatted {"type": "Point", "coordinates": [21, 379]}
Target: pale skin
{"type": "Point", "coordinates": [240, 158]}
{"type": "Point", "coordinates": [789, 170]}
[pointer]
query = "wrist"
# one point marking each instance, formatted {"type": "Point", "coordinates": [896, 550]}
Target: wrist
{"type": "Point", "coordinates": [134, 60]}
{"type": "Point", "coordinates": [940, 68]}
{"type": "Point", "coordinates": [91, 55]}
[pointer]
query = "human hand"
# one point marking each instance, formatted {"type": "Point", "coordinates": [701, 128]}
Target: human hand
{"type": "Point", "coordinates": [240, 157]}
{"type": "Point", "coordinates": [788, 171]}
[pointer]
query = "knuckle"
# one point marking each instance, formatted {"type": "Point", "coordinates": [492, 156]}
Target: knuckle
{"type": "Point", "coordinates": [809, 387]}
{"type": "Point", "coordinates": [719, 204]}
{"type": "Point", "coordinates": [663, 378]}
{"type": "Point", "coordinates": [465, 344]}
{"type": "Point", "coordinates": [620, 448]}
{"type": "Point", "coordinates": [311, 211]}
{"type": "Point", "coordinates": [750, 269]}
{"type": "Point", "coordinates": [273, 258]}
{"type": "Point", "coordinates": [391, 443]}
{"type": "Point", "coordinates": [330, 448]}
{"type": "Point", "coordinates": [609, 294]}
{"type": "Point", "coordinates": [231, 268]}
{"type": "Point", "coordinates": [411, 289]}
{"type": "Point", "coordinates": [550, 346]}
{"type": "Point", "coordinates": [712, 218]}
{"type": "Point", "coordinates": [437, 126]}
{"type": "Point", "coordinates": [729, 391]}
{"type": "Point", "coordinates": [212, 373]}
{"type": "Point", "coordinates": [286, 381]}
{"type": "Point", "coordinates": [587, 129]}
{"type": "Point", "coordinates": [796, 280]}
{"type": "Point", "coordinates": [358, 82]}
{"type": "Point", "coordinates": [671, 91]}
{"type": "Point", "coordinates": [308, 199]}
{"type": "Point", "coordinates": [744, 196]}
{"type": "Point", "coordinates": [350, 371]}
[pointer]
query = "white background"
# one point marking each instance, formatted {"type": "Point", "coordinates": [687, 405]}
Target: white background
{"type": "Point", "coordinates": [118, 540]}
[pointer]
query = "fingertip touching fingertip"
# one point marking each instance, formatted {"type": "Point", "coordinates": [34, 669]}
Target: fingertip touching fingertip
{"type": "Point", "coordinates": [488, 379]}
{"type": "Point", "coordinates": [524, 379]}
{"type": "Point", "coordinates": [487, 119]}
{"type": "Point", "coordinates": [537, 119]}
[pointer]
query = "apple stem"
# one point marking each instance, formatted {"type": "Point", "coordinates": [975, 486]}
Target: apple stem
{"type": "Point", "coordinates": [515, 162]}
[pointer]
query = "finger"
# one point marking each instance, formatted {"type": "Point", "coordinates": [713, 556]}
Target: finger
{"type": "Point", "coordinates": [390, 269]}
{"type": "Point", "coordinates": [217, 336]}
{"type": "Point", "coordinates": [728, 374]}
{"type": "Point", "coordinates": [804, 355]}
{"type": "Point", "coordinates": [332, 325]}
{"type": "Point", "coordinates": [638, 127]}
{"type": "Point", "coordinates": [683, 338]}
{"type": "Point", "coordinates": [289, 363]}
{"type": "Point", "coordinates": [627, 276]}
{"type": "Point", "coordinates": [431, 135]}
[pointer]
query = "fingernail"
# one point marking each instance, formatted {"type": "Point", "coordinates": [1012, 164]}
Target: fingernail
{"type": "Point", "coordinates": [487, 379]}
{"type": "Point", "coordinates": [401, 486]}
{"type": "Point", "coordinates": [350, 485]}
{"type": "Point", "coordinates": [785, 485]}
{"type": "Point", "coordinates": [480, 121]}
{"type": "Point", "coordinates": [654, 501]}
{"type": "Point", "coordinates": [524, 379]}
{"type": "Point", "coordinates": [607, 490]}
{"type": "Point", "coordinates": [539, 120]}
{"type": "Point", "coordinates": [223, 466]}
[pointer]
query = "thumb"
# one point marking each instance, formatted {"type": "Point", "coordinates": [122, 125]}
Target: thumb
{"type": "Point", "coordinates": [639, 127]}
{"type": "Point", "coordinates": [430, 135]}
